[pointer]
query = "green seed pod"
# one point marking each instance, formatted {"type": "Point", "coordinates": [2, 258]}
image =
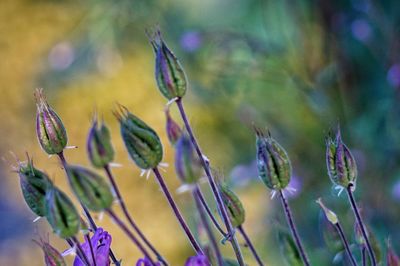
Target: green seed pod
{"type": "Point", "coordinates": [61, 213]}
{"type": "Point", "coordinates": [187, 164]}
{"type": "Point", "coordinates": [330, 215]}
{"type": "Point", "coordinates": [288, 249]}
{"type": "Point", "coordinates": [90, 188]}
{"type": "Point", "coordinates": [49, 127]}
{"type": "Point", "coordinates": [99, 145]}
{"type": "Point", "coordinates": [52, 257]}
{"type": "Point", "coordinates": [273, 163]}
{"type": "Point", "coordinates": [141, 141]}
{"type": "Point", "coordinates": [341, 165]}
{"type": "Point", "coordinates": [235, 207]}
{"type": "Point", "coordinates": [33, 184]}
{"type": "Point", "coordinates": [171, 78]}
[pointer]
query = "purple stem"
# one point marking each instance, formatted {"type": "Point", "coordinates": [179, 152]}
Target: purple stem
{"type": "Point", "coordinates": [346, 244]}
{"type": "Point", "coordinates": [204, 220]}
{"type": "Point", "coordinates": [86, 211]}
{"type": "Point", "coordinates": [87, 237]}
{"type": "Point", "coordinates": [292, 226]}
{"type": "Point", "coordinates": [130, 235]}
{"type": "Point", "coordinates": [129, 217]}
{"type": "Point", "coordinates": [361, 224]}
{"type": "Point", "coordinates": [363, 256]}
{"type": "Point", "coordinates": [250, 245]}
{"type": "Point", "coordinates": [80, 251]}
{"type": "Point", "coordinates": [213, 185]}
{"type": "Point", "coordinates": [177, 213]}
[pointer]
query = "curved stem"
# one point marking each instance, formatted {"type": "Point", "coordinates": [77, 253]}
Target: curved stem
{"type": "Point", "coordinates": [130, 235]}
{"type": "Point", "coordinates": [204, 220]}
{"type": "Point", "coordinates": [87, 237]}
{"type": "Point", "coordinates": [213, 185]}
{"type": "Point", "coordinates": [80, 251]}
{"type": "Point", "coordinates": [177, 213]}
{"type": "Point", "coordinates": [292, 226]}
{"type": "Point", "coordinates": [346, 244]}
{"type": "Point", "coordinates": [129, 217]}
{"type": "Point", "coordinates": [250, 245]}
{"type": "Point", "coordinates": [363, 256]}
{"type": "Point", "coordinates": [209, 212]}
{"type": "Point", "coordinates": [86, 211]}
{"type": "Point", "coordinates": [361, 224]}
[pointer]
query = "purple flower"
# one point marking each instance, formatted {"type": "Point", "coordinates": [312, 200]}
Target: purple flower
{"type": "Point", "coordinates": [145, 262]}
{"type": "Point", "coordinates": [191, 41]}
{"type": "Point", "coordinates": [101, 242]}
{"type": "Point", "coordinates": [198, 260]}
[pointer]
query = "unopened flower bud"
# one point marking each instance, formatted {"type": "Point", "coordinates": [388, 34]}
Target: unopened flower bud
{"type": "Point", "coordinates": [52, 257]}
{"type": "Point", "coordinates": [273, 163]}
{"type": "Point", "coordinates": [99, 145]}
{"type": "Point", "coordinates": [330, 215]}
{"type": "Point", "coordinates": [90, 188]}
{"type": "Point", "coordinates": [391, 257]}
{"type": "Point", "coordinates": [141, 141]}
{"type": "Point", "coordinates": [198, 260]}
{"type": "Point", "coordinates": [171, 78]}
{"type": "Point", "coordinates": [288, 249]}
{"type": "Point", "coordinates": [341, 165]}
{"type": "Point", "coordinates": [174, 132]}
{"type": "Point", "coordinates": [49, 127]}
{"type": "Point", "coordinates": [234, 206]}
{"type": "Point", "coordinates": [34, 184]}
{"type": "Point", "coordinates": [61, 213]}
{"type": "Point", "coordinates": [187, 164]}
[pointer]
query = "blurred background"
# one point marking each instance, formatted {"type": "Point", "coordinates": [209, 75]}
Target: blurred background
{"type": "Point", "coordinates": [294, 67]}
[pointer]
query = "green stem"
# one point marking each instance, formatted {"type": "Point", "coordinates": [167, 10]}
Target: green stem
{"type": "Point", "coordinates": [250, 245]}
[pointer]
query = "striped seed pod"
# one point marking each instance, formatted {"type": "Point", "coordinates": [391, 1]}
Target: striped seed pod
{"type": "Point", "coordinates": [174, 132]}
{"type": "Point", "coordinates": [50, 130]}
{"type": "Point", "coordinates": [99, 147]}
{"type": "Point", "coordinates": [142, 142]}
{"type": "Point", "coordinates": [90, 188]}
{"type": "Point", "coordinates": [52, 257]}
{"type": "Point", "coordinates": [234, 206]}
{"type": "Point", "coordinates": [187, 164]}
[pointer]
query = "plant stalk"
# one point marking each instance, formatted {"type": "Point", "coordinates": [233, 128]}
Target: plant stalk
{"type": "Point", "coordinates": [129, 234]}
{"type": "Point", "coordinates": [289, 218]}
{"type": "Point", "coordinates": [177, 213]}
{"type": "Point", "coordinates": [129, 217]}
{"type": "Point", "coordinates": [79, 250]}
{"type": "Point", "coordinates": [346, 244]}
{"type": "Point", "coordinates": [204, 220]}
{"type": "Point", "coordinates": [361, 224]}
{"type": "Point", "coordinates": [363, 256]}
{"type": "Point", "coordinates": [213, 185]}
{"type": "Point", "coordinates": [86, 211]}
{"type": "Point", "coordinates": [250, 245]}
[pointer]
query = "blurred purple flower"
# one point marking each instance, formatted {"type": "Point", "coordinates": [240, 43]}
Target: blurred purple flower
{"type": "Point", "coordinates": [191, 41]}
{"type": "Point", "coordinates": [361, 29]}
{"type": "Point", "coordinates": [294, 187]}
{"type": "Point", "coordinates": [393, 75]}
{"type": "Point", "coordinates": [198, 260]}
{"type": "Point", "coordinates": [146, 262]}
{"type": "Point", "coordinates": [61, 56]}
{"type": "Point", "coordinates": [396, 190]}
{"type": "Point", "coordinates": [101, 242]}
{"type": "Point", "coordinates": [242, 174]}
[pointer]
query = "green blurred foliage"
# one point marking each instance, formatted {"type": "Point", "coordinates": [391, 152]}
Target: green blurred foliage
{"type": "Point", "coordinates": [295, 67]}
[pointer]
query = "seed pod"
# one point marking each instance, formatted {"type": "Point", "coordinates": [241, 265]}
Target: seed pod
{"type": "Point", "coordinates": [198, 260]}
{"type": "Point", "coordinates": [90, 188]}
{"type": "Point", "coordinates": [391, 257]}
{"type": "Point", "coordinates": [99, 145]}
{"type": "Point", "coordinates": [330, 215]}
{"type": "Point", "coordinates": [273, 163]}
{"type": "Point", "coordinates": [187, 164]}
{"type": "Point", "coordinates": [235, 208]}
{"type": "Point", "coordinates": [341, 165]}
{"type": "Point", "coordinates": [49, 127]}
{"type": "Point", "coordinates": [288, 249]}
{"type": "Point", "coordinates": [61, 213]}
{"type": "Point", "coordinates": [171, 78]}
{"type": "Point", "coordinates": [52, 257]}
{"type": "Point", "coordinates": [33, 184]}
{"type": "Point", "coordinates": [174, 132]}
{"type": "Point", "coordinates": [142, 142]}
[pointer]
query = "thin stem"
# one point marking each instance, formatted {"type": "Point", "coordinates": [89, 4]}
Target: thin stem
{"type": "Point", "coordinates": [129, 217]}
{"type": "Point", "coordinates": [129, 234]}
{"type": "Point", "coordinates": [204, 220]}
{"type": "Point", "coordinates": [346, 244]}
{"type": "Point", "coordinates": [209, 212]}
{"type": "Point", "coordinates": [177, 213]}
{"type": "Point", "coordinates": [361, 224]}
{"type": "Point", "coordinates": [79, 250]}
{"type": "Point", "coordinates": [72, 245]}
{"type": "Point", "coordinates": [364, 256]}
{"type": "Point", "coordinates": [250, 245]}
{"type": "Point", "coordinates": [213, 185]}
{"type": "Point", "coordinates": [292, 226]}
{"type": "Point", "coordinates": [86, 211]}
{"type": "Point", "coordinates": [87, 237]}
